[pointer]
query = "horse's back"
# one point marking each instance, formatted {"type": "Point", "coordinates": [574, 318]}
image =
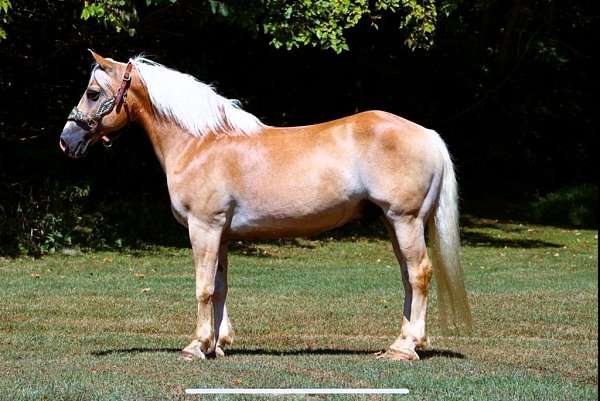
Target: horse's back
{"type": "Point", "coordinates": [361, 137]}
{"type": "Point", "coordinates": [312, 178]}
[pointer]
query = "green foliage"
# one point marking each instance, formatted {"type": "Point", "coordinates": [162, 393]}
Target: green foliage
{"type": "Point", "coordinates": [218, 7]}
{"type": "Point", "coordinates": [4, 7]}
{"type": "Point", "coordinates": [419, 22]}
{"type": "Point", "coordinates": [43, 220]}
{"type": "Point", "coordinates": [312, 22]}
{"type": "Point", "coordinates": [572, 206]}
{"type": "Point", "coordinates": [321, 23]}
{"type": "Point", "coordinates": [119, 14]}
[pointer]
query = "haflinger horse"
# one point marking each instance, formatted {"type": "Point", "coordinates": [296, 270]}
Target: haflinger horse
{"type": "Point", "coordinates": [231, 177]}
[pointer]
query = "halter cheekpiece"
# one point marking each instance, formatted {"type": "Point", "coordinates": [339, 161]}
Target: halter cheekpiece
{"type": "Point", "coordinates": [91, 122]}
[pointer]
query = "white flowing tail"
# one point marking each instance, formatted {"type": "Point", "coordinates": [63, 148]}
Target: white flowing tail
{"type": "Point", "coordinates": [444, 239]}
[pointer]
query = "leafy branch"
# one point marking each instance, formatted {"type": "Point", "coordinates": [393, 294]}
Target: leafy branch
{"type": "Point", "coordinates": [289, 24]}
{"type": "Point", "coordinates": [4, 7]}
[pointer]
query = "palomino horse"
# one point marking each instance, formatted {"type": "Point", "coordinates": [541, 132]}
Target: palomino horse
{"type": "Point", "coordinates": [231, 177]}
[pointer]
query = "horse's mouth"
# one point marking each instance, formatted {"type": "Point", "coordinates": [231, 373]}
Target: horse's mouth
{"type": "Point", "coordinates": [79, 152]}
{"type": "Point", "coordinates": [81, 149]}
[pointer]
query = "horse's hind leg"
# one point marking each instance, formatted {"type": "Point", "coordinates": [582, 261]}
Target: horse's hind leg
{"type": "Point", "coordinates": [224, 332]}
{"type": "Point", "coordinates": [408, 238]}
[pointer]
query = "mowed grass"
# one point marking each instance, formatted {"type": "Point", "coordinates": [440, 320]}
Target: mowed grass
{"type": "Point", "coordinates": [307, 313]}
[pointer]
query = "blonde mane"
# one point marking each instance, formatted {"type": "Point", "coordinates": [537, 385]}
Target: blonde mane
{"type": "Point", "coordinates": [193, 105]}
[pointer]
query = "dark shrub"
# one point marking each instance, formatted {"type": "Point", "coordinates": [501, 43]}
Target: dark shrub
{"type": "Point", "coordinates": [575, 206]}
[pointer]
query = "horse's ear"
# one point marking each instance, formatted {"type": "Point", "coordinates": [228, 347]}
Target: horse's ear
{"type": "Point", "coordinates": [106, 64]}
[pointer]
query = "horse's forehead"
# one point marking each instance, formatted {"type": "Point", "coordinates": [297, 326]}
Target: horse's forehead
{"type": "Point", "coordinates": [100, 77]}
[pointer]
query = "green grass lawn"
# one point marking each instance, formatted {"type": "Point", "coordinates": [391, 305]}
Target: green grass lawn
{"type": "Point", "coordinates": [307, 313]}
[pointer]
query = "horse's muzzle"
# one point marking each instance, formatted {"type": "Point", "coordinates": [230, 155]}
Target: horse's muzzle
{"type": "Point", "coordinates": [74, 140]}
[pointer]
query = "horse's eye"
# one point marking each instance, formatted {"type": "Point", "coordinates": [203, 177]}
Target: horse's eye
{"type": "Point", "coordinates": [92, 94]}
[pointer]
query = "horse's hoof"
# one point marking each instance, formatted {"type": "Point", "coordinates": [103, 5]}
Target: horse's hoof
{"type": "Point", "coordinates": [190, 356]}
{"type": "Point", "coordinates": [394, 355]}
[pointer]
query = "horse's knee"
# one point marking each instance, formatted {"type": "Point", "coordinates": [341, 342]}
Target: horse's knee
{"type": "Point", "coordinates": [420, 276]}
{"type": "Point", "coordinates": [205, 294]}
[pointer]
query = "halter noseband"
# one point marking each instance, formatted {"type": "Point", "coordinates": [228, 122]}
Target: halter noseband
{"type": "Point", "coordinates": [91, 122]}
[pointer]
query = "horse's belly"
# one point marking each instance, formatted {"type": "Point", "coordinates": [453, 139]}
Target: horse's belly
{"type": "Point", "coordinates": [248, 224]}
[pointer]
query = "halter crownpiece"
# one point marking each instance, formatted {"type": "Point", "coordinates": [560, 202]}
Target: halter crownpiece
{"type": "Point", "coordinates": [91, 122]}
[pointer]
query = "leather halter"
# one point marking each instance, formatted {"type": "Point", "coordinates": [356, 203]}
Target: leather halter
{"type": "Point", "coordinates": [91, 122]}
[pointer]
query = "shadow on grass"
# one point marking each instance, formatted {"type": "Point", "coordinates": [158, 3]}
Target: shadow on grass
{"type": "Point", "coordinates": [133, 351]}
{"type": "Point", "coordinates": [506, 225]}
{"type": "Point", "coordinates": [234, 351]}
{"type": "Point", "coordinates": [440, 353]}
{"type": "Point", "coordinates": [476, 239]}
{"type": "Point", "coordinates": [250, 248]}
{"type": "Point", "coordinates": [311, 351]}
{"type": "Point", "coordinates": [433, 353]}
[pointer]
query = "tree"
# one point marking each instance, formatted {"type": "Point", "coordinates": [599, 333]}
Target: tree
{"type": "Point", "coordinates": [289, 24]}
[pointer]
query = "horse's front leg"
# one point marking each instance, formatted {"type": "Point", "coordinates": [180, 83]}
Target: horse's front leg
{"type": "Point", "coordinates": [224, 333]}
{"type": "Point", "coordinates": [206, 240]}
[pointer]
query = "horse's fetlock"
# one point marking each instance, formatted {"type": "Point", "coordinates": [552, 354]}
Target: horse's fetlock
{"type": "Point", "coordinates": [225, 340]}
{"type": "Point", "coordinates": [422, 343]}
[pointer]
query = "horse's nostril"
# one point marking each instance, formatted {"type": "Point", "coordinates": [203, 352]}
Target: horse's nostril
{"type": "Point", "coordinates": [62, 144]}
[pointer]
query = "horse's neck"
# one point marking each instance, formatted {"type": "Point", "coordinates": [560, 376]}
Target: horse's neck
{"type": "Point", "coordinates": [167, 138]}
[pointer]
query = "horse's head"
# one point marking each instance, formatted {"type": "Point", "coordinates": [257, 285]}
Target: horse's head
{"type": "Point", "coordinates": [102, 108]}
